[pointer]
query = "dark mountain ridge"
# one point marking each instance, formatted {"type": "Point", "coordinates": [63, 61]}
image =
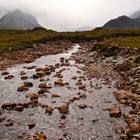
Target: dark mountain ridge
{"type": "Point", "coordinates": [123, 22]}
{"type": "Point", "coordinates": [18, 20]}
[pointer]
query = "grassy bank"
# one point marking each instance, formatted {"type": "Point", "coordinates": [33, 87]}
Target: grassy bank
{"type": "Point", "coordinates": [11, 40]}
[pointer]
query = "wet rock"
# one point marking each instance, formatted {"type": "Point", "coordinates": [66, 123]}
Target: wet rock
{"type": "Point", "coordinates": [135, 127]}
{"type": "Point", "coordinates": [137, 60]}
{"type": "Point", "coordinates": [49, 110]}
{"type": "Point", "coordinates": [81, 87]}
{"type": "Point", "coordinates": [42, 85]}
{"type": "Point", "coordinates": [24, 77]}
{"type": "Point", "coordinates": [115, 112]}
{"type": "Point", "coordinates": [59, 82]}
{"type": "Point", "coordinates": [9, 105]}
{"type": "Point", "coordinates": [2, 118]}
{"type": "Point", "coordinates": [33, 103]}
{"type": "Point", "coordinates": [38, 136]}
{"type": "Point", "coordinates": [49, 86]}
{"type": "Point", "coordinates": [22, 73]}
{"type": "Point", "coordinates": [55, 96]}
{"type": "Point", "coordinates": [19, 108]}
{"type": "Point", "coordinates": [42, 80]}
{"type": "Point", "coordinates": [28, 84]}
{"type": "Point", "coordinates": [118, 130]}
{"type": "Point", "coordinates": [74, 78]}
{"type": "Point", "coordinates": [42, 91]}
{"type": "Point", "coordinates": [62, 59]}
{"type": "Point", "coordinates": [124, 97]}
{"type": "Point", "coordinates": [9, 77]}
{"type": "Point", "coordinates": [31, 125]}
{"type": "Point", "coordinates": [83, 106]}
{"type": "Point", "coordinates": [64, 109]}
{"type": "Point", "coordinates": [74, 99]}
{"type": "Point", "coordinates": [22, 88]}
{"type": "Point", "coordinates": [31, 67]}
{"type": "Point", "coordinates": [40, 73]}
{"type": "Point", "coordinates": [33, 96]}
{"type": "Point", "coordinates": [25, 104]}
{"type": "Point", "coordinates": [61, 125]}
{"type": "Point", "coordinates": [63, 116]}
{"type": "Point", "coordinates": [9, 123]}
{"type": "Point", "coordinates": [35, 76]}
{"type": "Point", "coordinates": [5, 73]}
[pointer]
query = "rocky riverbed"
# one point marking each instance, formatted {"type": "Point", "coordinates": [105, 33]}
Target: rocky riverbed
{"type": "Point", "coordinates": [122, 65]}
{"type": "Point", "coordinates": [80, 94]}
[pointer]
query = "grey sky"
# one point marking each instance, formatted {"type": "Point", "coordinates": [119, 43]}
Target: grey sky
{"type": "Point", "coordinates": [71, 14]}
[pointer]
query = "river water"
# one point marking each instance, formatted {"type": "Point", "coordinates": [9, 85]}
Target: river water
{"type": "Point", "coordinates": [91, 123]}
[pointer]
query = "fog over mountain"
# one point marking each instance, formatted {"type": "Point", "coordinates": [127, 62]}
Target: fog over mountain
{"type": "Point", "coordinates": [18, 20]}
{"type": "Point", "coordinates": [62, 15]}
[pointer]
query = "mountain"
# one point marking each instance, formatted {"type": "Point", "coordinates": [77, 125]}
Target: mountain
{"type": "Point", "coordinates": [123, 22]}
{"type": "Point", "coordinates": [18, 20]}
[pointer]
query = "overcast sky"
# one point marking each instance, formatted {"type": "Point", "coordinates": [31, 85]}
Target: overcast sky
{"type": "Point", "coordinates": [71, 14]}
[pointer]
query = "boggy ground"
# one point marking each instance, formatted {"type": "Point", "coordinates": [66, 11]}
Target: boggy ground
{"type": "Point", "coordinates": [122, 65]}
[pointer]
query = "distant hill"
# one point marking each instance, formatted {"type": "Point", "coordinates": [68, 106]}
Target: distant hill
{"type": "Point", "coordinates": [18, 20]}
{"type": "Point", "coordinates": [123, 22]}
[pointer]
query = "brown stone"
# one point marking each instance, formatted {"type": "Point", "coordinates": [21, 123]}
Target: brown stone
{"type": "Point", "coordinates": [24, 77]}
{"type": "Point", "coordinates": [59, 82]}
{"type": "Point", "coordinates": [81, 87]}
{"type": "Point", "coordinates": [19, 108]}
{"type": "Point", "coordinates": [9, 123]}
{"type": "Point", "coordinates": [5, 73]}
{"type": "Point", "coordinates": [64, 109]}
{"type": "Point", "coordinates": [61, 125]}
{"type": "Point", "coordinates": [2, 118]}
{"type": "Point", "coordinates": [28, 84]}
{"type": "Point", "coordinates": [55, 96]}
{"type": "Point", "coordinates": [9, 105]}
{"type": "Point", "coordinates": [9, 77]}
{"type": "Point", "coordinates": [31, 125]}
{"type": "Point", "coordinates": [83, 106]}
{"type": "Point", "coordinates": [49, 109]}
{"type": "Point", "coordinates": [41, 91]}
{"type": "Point", "coordinates": [43, 85]}
{"type": "Point", "coordinates": [115, 112]}
{"type": "Point", "coordinates": [74, 78]}
{"type": "Point", "coordinates": [22, 88]}
{"type": "Point", "coordinates": [38, 136]}
{"type": "Point", "coordinates": [135, 127]}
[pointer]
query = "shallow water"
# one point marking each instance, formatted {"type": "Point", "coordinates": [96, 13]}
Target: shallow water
{"type": "Point", "coordinates": [91, 123]}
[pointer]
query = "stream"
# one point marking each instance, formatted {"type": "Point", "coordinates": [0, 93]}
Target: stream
{"type": "Point", "coordinates": [90, 123]}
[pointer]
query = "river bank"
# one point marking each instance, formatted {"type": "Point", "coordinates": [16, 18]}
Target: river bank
{"type": "Point", "coordinates": [28, 55]}
{"type": "Point", "coordinates": [122, 65]}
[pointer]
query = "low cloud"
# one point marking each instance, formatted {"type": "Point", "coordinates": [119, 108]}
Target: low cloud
{"type": "Point", "coordinates": [71, 14]}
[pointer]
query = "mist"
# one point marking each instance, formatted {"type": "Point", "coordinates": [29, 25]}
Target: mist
{"type": "Point", "coordinates": [69, 15]}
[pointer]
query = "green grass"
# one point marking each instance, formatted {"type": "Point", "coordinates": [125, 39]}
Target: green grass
{"type": "Point", "coordinates": [19, 39]}
{"type": "Point", "coordinates": [124, 41]}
